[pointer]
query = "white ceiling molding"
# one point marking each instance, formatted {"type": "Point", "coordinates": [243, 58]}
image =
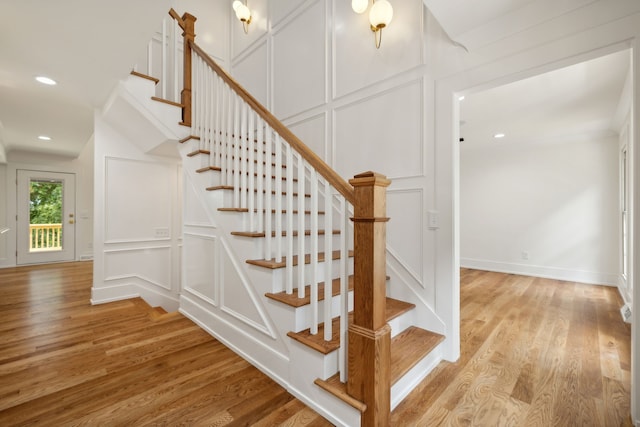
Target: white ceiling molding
{"type": "Point", "coordinates": [473, 24]}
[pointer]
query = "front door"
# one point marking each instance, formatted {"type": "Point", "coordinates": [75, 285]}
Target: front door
{"type": "Point", "coordinates": [46, 217]}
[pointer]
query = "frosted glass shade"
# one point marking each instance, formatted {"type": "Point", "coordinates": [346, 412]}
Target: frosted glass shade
{"type": "Point", "coordinates": [235, 5]}
{"type": "Point", "coordinates": [380, 14]}
{"type": "Point", "coordinates": [243, 13]}
{"type": "Point", "coordinates": [359, 6]}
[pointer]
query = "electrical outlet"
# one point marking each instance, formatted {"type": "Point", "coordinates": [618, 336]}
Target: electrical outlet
{"type": "Point", "coordinates": [432, 220]}
{"type": "Point", "coordinates": [625, 311]}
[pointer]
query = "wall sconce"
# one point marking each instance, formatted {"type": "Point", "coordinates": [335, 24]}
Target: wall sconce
{"type": "Point", "coordinates": [243, 14]}
{"type": "Point", "coordinates": [380, 15]}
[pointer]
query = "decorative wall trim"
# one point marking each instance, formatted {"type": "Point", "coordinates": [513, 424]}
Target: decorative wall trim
{"type": "Point", "coordinates": [216, 276]}
{"type": "Point", "coordinates": [419, 82]}
{"type": "Point", "coordinates": [565, 274]}
{"type": "Point", "coordinates": [266, 328]}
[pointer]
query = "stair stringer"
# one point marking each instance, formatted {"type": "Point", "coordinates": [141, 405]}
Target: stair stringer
{"type": "Point", "coordinates": [403, 286]}
{"type": "Point", "coordinates": [289, 363]}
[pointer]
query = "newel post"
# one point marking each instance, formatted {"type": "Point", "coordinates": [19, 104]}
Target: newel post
{"type": "Point", "coordinates": [188, 34]}
{"type": "Point", "coordinates": [369, 359]}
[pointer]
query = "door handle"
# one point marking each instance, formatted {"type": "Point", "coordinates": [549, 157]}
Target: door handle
{"type": "Point", "coordinates": [71, 221]}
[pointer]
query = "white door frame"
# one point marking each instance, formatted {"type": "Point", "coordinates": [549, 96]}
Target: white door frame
{"type": "Point", "coordinates": [447, 119]}
{"type": "Point", "coordinates": [23, 255]}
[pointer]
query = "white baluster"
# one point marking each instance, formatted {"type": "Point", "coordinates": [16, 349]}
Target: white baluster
{"type": "Point", "coordinates": [289, 221]}
{"type": "Point", "coordinates": [195, 123]}
{"type": "Point", "coordinates": [328, 249]}
{"type": "Point", "coordinates": [260, 172]}
{"type": "Point", "coordinates": [176, 62]}
{"type": "Point", "coordinates": [344, 288]}
{"type": "Point", "coordinates": [314, 249]}
{"type": "Point", "coordinates": [278, 199]}
{"type": "Point", "coordinates": [150, 58]}
{"type": "Point", "coordinates": [165, 75]}
{"type": "Point", "coordinates": [228, 151]}
{"type": "Point", "coordinates": [301, 210]}
{"type": "Point", "coordinates": [206, 109]}
{"type": "Point", "coordinates": [236, 152]}
{"type": "Point", "coordinates": [215, 143]}
{"type": "Point", "coordinates": [243, 156]}
{"type": "Point", "coordinates": [268, 188]}
{"type": "Point", "coordinates": [251, 172]}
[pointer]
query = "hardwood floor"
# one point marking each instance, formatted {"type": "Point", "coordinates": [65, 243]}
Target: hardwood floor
{"type": "Point", "coordinates": [65, 362]}
{"type": "Point", "coordinates": [535, 352]}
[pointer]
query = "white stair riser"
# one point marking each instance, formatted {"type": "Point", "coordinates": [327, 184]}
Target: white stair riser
{"type": "Point", "coordinates": [258, 244]}
{"type": "Point", "coordinates": [279, 279]}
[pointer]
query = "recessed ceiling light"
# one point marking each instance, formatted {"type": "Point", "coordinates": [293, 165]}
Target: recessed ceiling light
{"type": "Point", "coordinates": [44, 138]}
{"type": "Point", "coordinates": [46, 80]}
{"type": "Point", "coordinates": [498, 135]}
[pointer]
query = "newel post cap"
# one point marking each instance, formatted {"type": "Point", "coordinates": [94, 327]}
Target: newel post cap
{"type": "Point", "coordinates": [370, 178]}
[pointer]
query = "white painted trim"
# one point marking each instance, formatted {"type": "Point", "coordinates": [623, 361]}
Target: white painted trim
{"type": "Point", "coordinates": [202, 317]}
{"type": "Point", "coordinates": [566, 274]}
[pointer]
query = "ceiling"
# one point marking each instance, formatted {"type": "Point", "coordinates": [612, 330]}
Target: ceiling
{"type": "Point", "coordinates": [570, 102]}
{"type": "Point", "coordinates": [86, 46]}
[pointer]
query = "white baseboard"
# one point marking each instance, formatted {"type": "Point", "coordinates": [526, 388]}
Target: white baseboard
{"type": "Point", "coordinates": [581, 276]}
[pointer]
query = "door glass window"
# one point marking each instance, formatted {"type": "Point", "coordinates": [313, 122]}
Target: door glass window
{"type": "Point", "coordinates": [45, 215]}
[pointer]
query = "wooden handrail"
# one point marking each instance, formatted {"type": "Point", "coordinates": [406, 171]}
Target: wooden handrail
{"type": "Point", "coordinates": [314, 160]}
{"type": "Point", "coordinates": [177, 17]}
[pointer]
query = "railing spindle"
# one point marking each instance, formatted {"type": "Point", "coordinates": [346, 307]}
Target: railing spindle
{"type": "Point", "coordinates": [278, 199]}
{"type": "Point", "coordinates": [343, 216]}
{"type": "Point", "coordinates": [261, 175]}
{"type": "Point", "coordinates": [328, 249]}
{"type": "Point", "coordinates": [268, 215]}
{"type": "Point", "coordinates": [251, 173]}
{"type": "Point", "coordinates": [242, 158]}
{"type": "Point", "coordinates": [236, 152]}
{"type": "Point", "coordinates": [301, 209]}
{"type": "Point", "coordinates": [289, 219]}
{"type": "Point", "coordinates": [314, 250]}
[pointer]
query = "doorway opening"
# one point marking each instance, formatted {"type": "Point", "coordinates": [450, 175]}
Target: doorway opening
{"type": "Point", "coordinates": [46, 217]}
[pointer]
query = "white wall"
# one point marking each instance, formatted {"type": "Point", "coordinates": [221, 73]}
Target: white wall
{"type": "Point", "coordinates": [137, 231]}
{"type": "Point", "coordinates": [545, 208]}
{"type": "Point", "coordinates": [314, 64]}
{"type": "Point", "coordinates": [82, 167]}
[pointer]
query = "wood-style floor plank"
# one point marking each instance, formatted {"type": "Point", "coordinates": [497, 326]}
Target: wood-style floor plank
{"type": "Point", "coordinates": [66, 362]}
{"type": "Point", "coordinates": [534, 352]}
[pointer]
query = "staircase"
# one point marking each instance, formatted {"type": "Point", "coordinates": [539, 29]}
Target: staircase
{"type": "Point", "coordinates": [316, 285]}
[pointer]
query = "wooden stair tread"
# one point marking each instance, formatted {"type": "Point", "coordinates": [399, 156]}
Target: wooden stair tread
{"type": "Point", "coordinates": [208, 168]}
{"type": "Point", "coordinates": [166, 101]}
{"type": "Point", "coordinates": [317, 341]}
{"type": "Point", "coordinates": [145, 76]}
{"type": "Point", "coordinates": [409, 347]}
{"type": "Point", "coordinates": [273, 211]}
{"type": "Point", "coordinates": [257, 234]}
{"type": "Point", "coordinates": [271, 263]}
{"type": "Point", "coordinates": [202, 151]}
{"type": "Point", "coordinates": [293, 300]}
{"type": "Point", "coordinates": [195, 153]}
{"type": "Point", "coordinates": [190, 137]}
{"type": "Point", "coordinates": [395, 308]}
{"type": "Point", "coordinates": [339, 389]}
{"type": "Point", "coordinates": [230, 187]}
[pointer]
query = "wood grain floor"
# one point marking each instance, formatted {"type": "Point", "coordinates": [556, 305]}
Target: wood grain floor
{"type": "Point", "coordinates": [535, 352]}
{"type": "Point", "coordinates": [65, 362]}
